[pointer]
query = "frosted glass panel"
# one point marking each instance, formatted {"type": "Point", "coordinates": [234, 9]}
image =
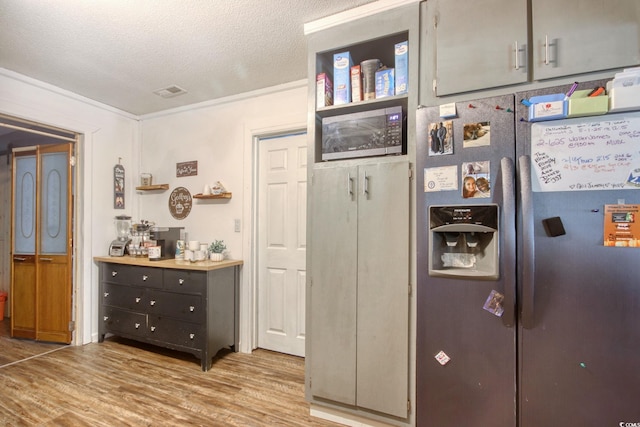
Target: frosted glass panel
{"type": "Point", "coordinates": [53, 234]}
{"type": "Point", "coordinates": [25, 205]}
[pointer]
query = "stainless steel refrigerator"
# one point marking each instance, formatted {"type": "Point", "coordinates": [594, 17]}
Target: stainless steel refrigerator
{"type": "Point", "coordinates": [527, 313]}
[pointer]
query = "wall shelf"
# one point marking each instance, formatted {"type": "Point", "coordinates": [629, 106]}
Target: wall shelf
{"type": "Point", "coordinates": [212, 196]}
{"type": "Point", "coordinates": [153, 187]}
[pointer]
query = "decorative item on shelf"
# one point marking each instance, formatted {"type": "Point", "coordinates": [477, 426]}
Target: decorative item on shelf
{"type": "Point", "coordinates": [215, 191]}
{"type": "Point", "coordinates": [146, 179]}
{"type": "Point", "coordinates": [217, 249]}
{"type": "Point", "coordinates": [218, 188]}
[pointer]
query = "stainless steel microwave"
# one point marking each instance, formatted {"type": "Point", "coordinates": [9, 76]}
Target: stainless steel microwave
{"type": "Point", "coordinates": [363, 134]}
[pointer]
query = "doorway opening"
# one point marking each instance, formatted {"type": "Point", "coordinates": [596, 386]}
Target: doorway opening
{"type": "Point", "coordinates": [17, 137]}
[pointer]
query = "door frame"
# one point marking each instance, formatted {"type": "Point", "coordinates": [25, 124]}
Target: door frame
{"type": "Point", "coordinates": [254, 131]}
{"type": "Point", "coordinates": [80, 307]}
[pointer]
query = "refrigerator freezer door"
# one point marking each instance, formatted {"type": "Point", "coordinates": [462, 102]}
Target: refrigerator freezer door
{"type": "Point", "coordinates": [476, 385]}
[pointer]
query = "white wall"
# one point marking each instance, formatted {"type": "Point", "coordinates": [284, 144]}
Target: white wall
{"type": "Point", "coordinates": [108, 134]}
{"type": "Point", "coordinates": [220, 137]}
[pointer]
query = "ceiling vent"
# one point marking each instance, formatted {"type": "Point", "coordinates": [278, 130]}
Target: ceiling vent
{"type": "Point", "coordinates": [170, 91]}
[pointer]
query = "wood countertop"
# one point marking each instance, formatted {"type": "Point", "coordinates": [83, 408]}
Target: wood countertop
{"type": "Point", "coordinates": [169, 263]}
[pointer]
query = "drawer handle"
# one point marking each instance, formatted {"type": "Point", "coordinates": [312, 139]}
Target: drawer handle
{"type": "Point", "coordinates": [137, 325]}
{"type": "Point", "coordinates": [138, 299]}
{"type": "Point", "coordinates": [191, 308]}
{"type": "Point", "coordinates": [152, 302]}
{"type": "Point", "coordinates": [180, 281]}
{"type": "Point", "coordinates": [145, 277]}
{"type": "Point", "coordinates": [153, 329]}
{"type": "Point", "coordinates": [106, 294]}
{"type": "Point", "coordinates": [105, 318]}
{"type": "Point", "coordinates": [192, 336]}
{"type": "Point", "coordinates": [114, 273]}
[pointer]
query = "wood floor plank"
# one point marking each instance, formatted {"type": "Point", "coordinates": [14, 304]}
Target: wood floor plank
{"type": "Point", "coordinates": [124, 383]}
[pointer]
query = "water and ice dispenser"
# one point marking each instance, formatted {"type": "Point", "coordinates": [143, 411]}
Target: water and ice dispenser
{"type": "Point", "coordinates": [463, 241]}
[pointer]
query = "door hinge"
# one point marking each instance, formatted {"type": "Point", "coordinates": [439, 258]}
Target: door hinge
{"type": "Point", "coordinates": [72, 160]}
{"type": "Point", "coordinates": [408, 405]}
{"type": "Point", "coordinates": [72, 326]}
{"type": "Point", "coordinates": [410, 289]}
{"type": "Point", "coordinates": [410, 174]}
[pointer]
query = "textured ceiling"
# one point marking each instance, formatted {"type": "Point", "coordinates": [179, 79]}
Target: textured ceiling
{"type": "Point", "coordinates": [118, 52]}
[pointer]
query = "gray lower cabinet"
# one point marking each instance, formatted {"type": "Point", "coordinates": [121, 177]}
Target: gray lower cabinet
{"type": "Point", "coordinates": [190, 311]}
{"type": "Point", "coordinates": [358, 343]}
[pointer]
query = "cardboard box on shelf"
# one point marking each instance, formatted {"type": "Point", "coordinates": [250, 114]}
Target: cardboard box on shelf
{"type": "Point", "coordinates": [324, 90]}
{"type": "Point", "coordinates": [385, 85]}
{"type": "Point", "coordinates": [402, 67]}
{"type": "Point", "coordinates": [356, 83]}
{"type": "Point", "coordinates": [342, 64]}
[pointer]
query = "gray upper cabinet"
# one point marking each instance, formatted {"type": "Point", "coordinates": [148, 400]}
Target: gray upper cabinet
{"type": "Point", "coordinates": [480, 44]}
{"type": "Point", "coordinates": [582, 36]}
{"type": "Point", "coordinates": [492, 43]}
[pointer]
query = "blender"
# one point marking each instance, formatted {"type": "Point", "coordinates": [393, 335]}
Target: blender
{"type": "Point", "coordinates": [119, 246]}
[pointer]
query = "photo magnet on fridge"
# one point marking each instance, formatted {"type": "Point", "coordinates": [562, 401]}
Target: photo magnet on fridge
{"type": "Point", "coordinates": [493, 304]}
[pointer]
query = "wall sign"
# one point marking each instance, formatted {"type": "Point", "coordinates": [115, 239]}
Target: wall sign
{"type": "Point", "coordinates": [187, 168]}
{"type": "Point", "coordinates": [118, 186]}
{"type": "Point", "coordinates": [180, 203]}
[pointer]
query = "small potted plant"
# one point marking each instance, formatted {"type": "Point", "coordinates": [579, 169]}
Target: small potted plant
{"type": "Point", "coordinates": [217, 250]}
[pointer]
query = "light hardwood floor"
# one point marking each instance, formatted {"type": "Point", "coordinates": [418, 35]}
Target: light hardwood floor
{"type": "Point", "coordinates": [124, 383]}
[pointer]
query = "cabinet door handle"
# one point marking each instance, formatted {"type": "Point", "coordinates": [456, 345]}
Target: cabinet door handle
{"type": "Point", "coordinates": [137, 325]}
{"type": "Point", "coordinates": [19, 258]}
{"type": "Point", "coordinates": [152, 302]}
{"type": "Point", "coordinates": [138, 299]}
{"type": "Point", "coordinates": [105, 318]}
{"type": "Point", "coordinates": [192, 336]}
{"type": "Point", "coordinates": [180, 281]}
{"type": "Point", "coordinates": [46, 259]}
{"type": "Point", "coordinates": [106, 294]}
{"type": "Point", "coordinates": [349, 185]}
{"type": "Point", "coordinates": [145, 277]}
{"type": "Point", "coordinates": [153, 329]}
{"type": "Point", "coordinates": [517, 63]}
{"type": "Point", "coordinates": [191, 308]}
{"type": "Point", "coordinates": [365, 187]}
{"type": "Point", "coordinates": [114, 273]}
{"type": "Point", "coordinates": [546, 49]}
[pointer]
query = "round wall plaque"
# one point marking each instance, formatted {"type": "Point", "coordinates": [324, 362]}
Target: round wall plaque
{"type": "Point", "coordinates": [180, 202]}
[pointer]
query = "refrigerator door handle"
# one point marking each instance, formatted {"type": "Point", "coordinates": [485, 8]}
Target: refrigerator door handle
{"type": "Point", "coordinates": [528, 257]}
{"type": "Point", "coordinates": [509, 236]}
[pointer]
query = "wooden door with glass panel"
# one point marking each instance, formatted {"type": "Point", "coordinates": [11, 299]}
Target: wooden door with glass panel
{"type": "Point", "coordinates": [41, 275]}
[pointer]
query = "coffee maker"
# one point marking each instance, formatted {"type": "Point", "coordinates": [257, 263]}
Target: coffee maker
{"type": "Point", "coordinates": [119, 246]}
{"type": "Point", "coordinates": [166, 238]}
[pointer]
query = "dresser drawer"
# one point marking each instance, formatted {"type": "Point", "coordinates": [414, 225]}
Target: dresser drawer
{"type": "Point", "coordinates": [125, 322]}
{"type": "Point", "coordinates": [128, 297]}
{"type": "Point", "coordinates": [132, 275]}
{"type": "Point", "coordinates": [194, 282]}
{"type": "Point", "coordinates": [179, 306]}
{"type": "Point", "coordinates": [176, 332]}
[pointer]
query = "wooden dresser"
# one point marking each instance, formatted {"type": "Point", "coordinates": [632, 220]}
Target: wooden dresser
{"type": "Point", "coordinates": [190, 307]}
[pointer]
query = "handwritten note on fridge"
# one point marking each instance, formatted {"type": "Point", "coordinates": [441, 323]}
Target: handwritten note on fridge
{"type": "Point", "coordinates": [590, 153]}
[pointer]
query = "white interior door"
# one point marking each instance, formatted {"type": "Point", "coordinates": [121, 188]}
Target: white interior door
{"type": "Point", "coordinates": [282, 201]}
